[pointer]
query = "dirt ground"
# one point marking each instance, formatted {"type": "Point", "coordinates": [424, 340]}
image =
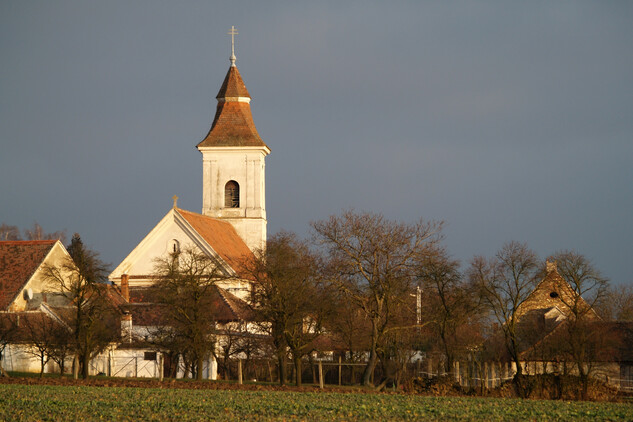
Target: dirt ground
{"type": "Point", "coordinates": [170, 383]}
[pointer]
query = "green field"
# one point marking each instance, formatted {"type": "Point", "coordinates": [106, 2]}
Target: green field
{"type": "Point", "coordinates": [56, 403]}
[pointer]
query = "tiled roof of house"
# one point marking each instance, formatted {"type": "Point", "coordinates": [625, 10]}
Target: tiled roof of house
{"type": "Point", "coordinates": [554, 291]}
{"type": "Point", "coordinates": [147, 311]}
{"type": "Point", "coordinates": [235, 310]}
{"type": "Point", "coordinates": [147, 314]}
{"type": "Point", "coordinates": [608, 341]}
{"type": "Point", "coordinates": [18, 262]}
{"type": "Point", "coordinates": [233, 123]}
{"type": "Point", "coordinates": [223, 238]}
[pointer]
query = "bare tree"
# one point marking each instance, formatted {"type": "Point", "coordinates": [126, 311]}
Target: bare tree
{"type": "Point", "coordinates": [185, 281]}
{"type": "Point", "coordinates": [93, 319]}
{"type": "Point", "coordinates": [289, 299]}
{"type": "Point", "coordinates": [451, 306]}
{"type": "Point", "coordinates": [8, 328]}
{"type": "Point", "coordinates": [372, 262]}
{"type": "Point", "coordinates": [235, 340]}
{"type": "Point", "coordinates": [616, 304]}
{"type": "Point", "coordinates": [505, 281]}
{"type": "Point", "coordinates": [583, 337]}
{"type": "Point", "coordinates": [47, 339]}
{"type": "Point", "coordinates": [9, 232]}
{"type": "Point", "coordinates": [348, 327]}
{"type": "Point", "coordinates": [37, 233]}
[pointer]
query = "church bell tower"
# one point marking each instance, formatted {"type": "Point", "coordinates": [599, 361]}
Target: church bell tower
{"type": "Point", "coordinates": [233, 154]}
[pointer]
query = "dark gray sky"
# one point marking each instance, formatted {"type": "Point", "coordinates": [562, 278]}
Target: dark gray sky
{"type": "Point", "coordinates": [508, 120]}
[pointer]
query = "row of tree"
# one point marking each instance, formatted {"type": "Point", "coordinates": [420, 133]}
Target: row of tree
{"type": "Point", "coordinates": [374, 289]}
{"type": "Point", "coordinates": [36, 232]}
{"type": "Point", "coordinates": [380, 291]}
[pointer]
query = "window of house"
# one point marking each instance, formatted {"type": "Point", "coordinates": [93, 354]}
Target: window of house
{"type": "Point", "coordinates": [232, 194]}
{"type": "Point", "coordinates": [149, 356]}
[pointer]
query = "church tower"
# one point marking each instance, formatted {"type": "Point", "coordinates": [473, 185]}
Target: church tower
{"type": "Point", "coordinates": [233, 185]}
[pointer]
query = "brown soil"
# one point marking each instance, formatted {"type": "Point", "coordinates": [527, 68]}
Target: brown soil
{"type": "Point", "coordinates": [170, 383]}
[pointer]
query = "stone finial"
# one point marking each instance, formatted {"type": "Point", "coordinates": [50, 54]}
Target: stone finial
{"type": "Point", "coordinates": [175, 198]}
{"type": "Point", "coordinates": [550, 266]}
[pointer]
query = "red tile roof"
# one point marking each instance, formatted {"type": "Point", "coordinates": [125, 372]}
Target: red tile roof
{"type": "Point", "coordinates": [225, 306]}
{"type": "Point", "coordinates": [235, 309]}
{"type": "Point", "coordinates": [233, 85]}
{"type": "Point", "coordinates": [223, 238]}
{"type": "Point", "coordinates": [233, 123]}
{"type": "Point", "coordinates": [18, 262]}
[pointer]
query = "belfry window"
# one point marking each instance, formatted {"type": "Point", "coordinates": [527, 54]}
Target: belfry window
{"type": "Point", "coordinates": [232, 194]}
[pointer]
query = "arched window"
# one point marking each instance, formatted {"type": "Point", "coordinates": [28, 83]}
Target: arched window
{"type": "Point", "coordinates": [173, 246]}
{"type": "Point", "coordinates": [232, 194]}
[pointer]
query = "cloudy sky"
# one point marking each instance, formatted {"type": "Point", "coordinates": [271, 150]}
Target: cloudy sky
{"type": "Point", "coordinates": [507, 120]}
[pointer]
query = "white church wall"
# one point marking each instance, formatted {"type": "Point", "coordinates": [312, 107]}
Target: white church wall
{"type": "Point", "coordinates": [246, 166]}
{"type": "Point", "coordinates": [141, 261]}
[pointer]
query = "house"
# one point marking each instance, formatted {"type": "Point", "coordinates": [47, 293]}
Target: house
{"type": "Point", "coordinates": [555, 324]}
{"type": "Point", "coordinates": [27, 298]}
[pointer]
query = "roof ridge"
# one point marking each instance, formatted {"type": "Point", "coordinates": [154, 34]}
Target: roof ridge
{"type": "Point", "coordinates": [28, 242]}
{"type": "Point", "coordinates": [219, 220]}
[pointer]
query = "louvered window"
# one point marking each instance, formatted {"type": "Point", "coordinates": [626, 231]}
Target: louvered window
{"type": "Point", "coordinates": [232, 194]}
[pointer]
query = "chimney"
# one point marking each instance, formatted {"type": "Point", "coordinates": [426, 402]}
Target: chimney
{"type": "Point", "coordinates": [550, 266]}
{"type": "Point", "coordinates": [125, 287]}
{"type": "Point", "coordinates": [126, 327]}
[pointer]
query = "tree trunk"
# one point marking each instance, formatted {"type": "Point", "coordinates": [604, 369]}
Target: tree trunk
{"type": "Point", "coordinates": [42, 363]}
{"type": "Point", "coordinates": [2, 371]}
{"type": "Point", "coordinates": [75, 366]}
{"type": "Point", "coordinates": [200, 364]}
{"type": "Point", "coordinates": [282, 369]}
{"type": "Point", "coordinates": [85, 370]}
{"type": "Point", "coordinates": [369, 368]}
{"type": "Point", "coordinates": [297, 361]}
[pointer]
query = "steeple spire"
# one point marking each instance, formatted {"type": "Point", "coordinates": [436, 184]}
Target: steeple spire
{"type": "Point", "coordinates": [233, 123]}
{"type": "Point", "coordinates": [233, 32]}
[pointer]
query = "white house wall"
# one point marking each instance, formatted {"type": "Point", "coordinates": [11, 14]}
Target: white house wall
{"type": "Point", "coordinates": [39, 285]}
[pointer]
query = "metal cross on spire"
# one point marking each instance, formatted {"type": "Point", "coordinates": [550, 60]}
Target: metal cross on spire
{"type": "Point", "coordinates": [232, 33]}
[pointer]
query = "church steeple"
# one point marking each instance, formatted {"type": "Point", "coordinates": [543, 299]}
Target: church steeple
{"type": "Point", "coordinates": [233, 156]}
{"type": "Point", "coordinates": [233, 122]}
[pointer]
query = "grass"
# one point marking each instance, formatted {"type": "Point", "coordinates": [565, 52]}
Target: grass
{"type": "Point", "coordinates": [63, 403]}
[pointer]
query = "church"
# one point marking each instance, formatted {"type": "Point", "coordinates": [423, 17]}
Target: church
{"type": "Point", "coordinates": [232, 225]}
{"type": "Point", "coordinates": [230, 229]}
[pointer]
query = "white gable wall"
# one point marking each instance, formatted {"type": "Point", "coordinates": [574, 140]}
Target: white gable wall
{"type": "Point", "coordinates": [43, 289]}
{"type": "Point", "coordinates": [158, 243]}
